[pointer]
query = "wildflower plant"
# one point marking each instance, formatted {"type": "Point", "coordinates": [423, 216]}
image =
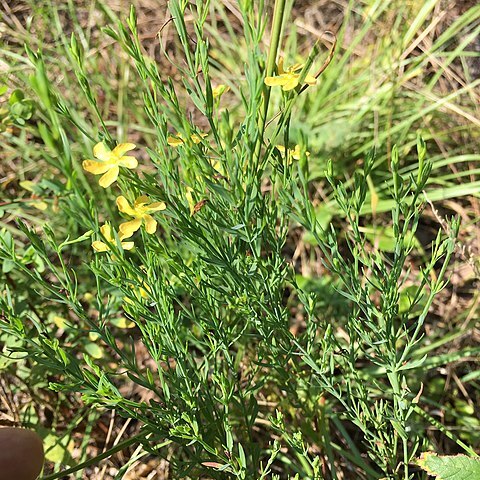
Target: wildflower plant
{"type": "Point", "coordinates": [251, 372]}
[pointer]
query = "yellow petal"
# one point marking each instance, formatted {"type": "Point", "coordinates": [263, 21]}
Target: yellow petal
{"type": "Point", "coordinates": [198, 138]}
{"type": "Point", "coordinates": [190, 200]}
{"type": "Point", "coordinates": [95, 167]}
{"type": "Point", "coordinates": [310, 80]}
{"type": "Point", "coordinates": [122, 236]}
{"type": "Point", "coordinates": [127, 245]}
{"type": "Point", "coordinates": [217, 166]}
{"type": "Point", "coordinates": [296, 152]}
{"type": "Point", "coordinates": [38, 204]}
{"type": "Point", "coordinates": [174, 141]}
{"type": "Point", "coordinates": [144, 291]}
{"type": "Point", "coordinates": [157, 206]}
{"type": "Point", "coordinates": [127, 229]}
{"type": "Point", "coordinates": [275, 81]}
{"type": "Point", "coordinates": [291, 83]}
{"type": "Point", "coordinates": [296, 67]}
{"type": "Point", "coordinates": [142, 200]}
{"type": "Point", "coordinates": [280, 148]}
{"type": "Point", "coordinates": [150, 224]}
{"type": "Point", "coordinates": [128, 162]}
{"type": "Point", "coordinates": [28, 185]}
{"type": "Point", "coordinates": [219, 90]}
{"type": "Point", "coordinates": [280, 66]}
{"type": "Point", "coordinates": [124, 207]}
{"type": "Point", "coordinates": [101, 152]}
{"type": "Point", "coordinates": [109, 177]}
{"type": "Point", "coordinates": [99, 246]}
{"type": "Point", "coordinates": [121, 149]}
{"type": "Point", "coordinates": [107, 232]}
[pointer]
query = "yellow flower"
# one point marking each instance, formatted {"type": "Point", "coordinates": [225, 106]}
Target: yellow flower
{"type": "Point", "coordinates": [288, 79]}
{"type": "Point", "coordinates": [141, 292]}
{"type": "Point", "coordinates": [140, 211]}
{"type": "Point", "coordinates": [292, 154]}
{"type": "Point", "coordinates": [179, 139]}
{"type": "Point", "coordinates": [175, 141]}
{"type": "Point", "coordinates": [219, 90]}
{"type": "Point", "coordinates": [106, 230]}
{"type": "Point", "coordinates": [110, 162]}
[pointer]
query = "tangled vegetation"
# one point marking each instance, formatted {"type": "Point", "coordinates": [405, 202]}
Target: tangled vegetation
{"type": "Point", "coordinates": [244, 245]}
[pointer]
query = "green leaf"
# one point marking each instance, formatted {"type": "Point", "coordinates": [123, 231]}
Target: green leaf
{"type": "Point", "coordinates": [57, 450]}
{"type": "Point", "coordinates": [384, 238]}
{"type": "Point", "coordinates": [94, 350]}
{"type": "Point", "coordinates": [16, 96]}
{"type": "Point", "coordinates": [8, 265]}
{"type": "Point", "coordinates": [413, 363]}
{"type": "Point", "coordinates": [457, 467]}
{"type": "Point", "coordinates": [122, 322]}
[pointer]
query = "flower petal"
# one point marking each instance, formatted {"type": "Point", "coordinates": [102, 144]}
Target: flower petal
{"type": "Point", "coordinates": [291, 83]}
{"type": "Point", "coordinates": [95, 167]}
{"type": "Point", "coordinates": [190, 200]}
{"type": "Point", "coordinates": [121, 149]}
{"type": "Point", "coordinates": [99, 246]}
{"type": "Point", "coordinates": [275, 81]}
{"type": "Point", "coordinates": [295, 67]}
{"type": "Point", "coordinates": [157, 206]}
{"type": "Point", "coordinates": [310, 80]}
{"type": "Point", "coordinates": [219, 90]}
{"type": "Point", "coordinates": [196, 139]}
{"type": "Point", "coordinates": [127, 229]}
{"type": "Point", "coordinates": [217, 165]}
{"type": "Point", "coordinates": [140, 201]}
{"type": "Point", "coordinates": [107, 232]}
{"type": "Point", "coordinates": [124, 206]}
{"type": "Point", "coordinates": [175, 141]}
{"type": "Point", "coordinates": [127, 245]}
{"type": "Point", "coordinates": [128, 162]}
{"type": "Point", "coordinates": [109, 177]}
{"type": "Point", "coordinates": [101, 152]}
{"type": "Point", "coordinates": [150, 224]}
{"type": "Point", "coordinates": [144, 292]}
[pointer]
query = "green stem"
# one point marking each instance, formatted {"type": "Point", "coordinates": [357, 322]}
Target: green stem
{"type": "Point", "coordinates": [445, 431]}
{"type": "Point", "coordinates": [278, 14]}
{"type": "Point", "coordinates": [98, 458]}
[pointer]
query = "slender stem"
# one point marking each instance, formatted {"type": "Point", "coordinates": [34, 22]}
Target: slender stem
{"type": "Point", "coordinates": [278, 14]}
{"type": "Point", "coordinates": [445, 431]}
{"type": "Point", "coordinates": [98, 458]}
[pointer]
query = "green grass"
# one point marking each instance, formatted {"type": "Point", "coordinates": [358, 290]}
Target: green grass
{"type": "Point", "coordinates": [286, 319]}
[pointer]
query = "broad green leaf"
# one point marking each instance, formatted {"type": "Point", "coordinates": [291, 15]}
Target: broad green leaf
{"type": "Point", "coordinates": [28, 185]}
{"type": "Point", "coordinates": [122, 322]}
{"type": "Point", "coordinates": [457, 467]}
{"type": "Point", "coordinates": [94, 350]}
{"type": "Point", "coordinates": [58, 450]}
{"type": "Point", "coordinates": [59, 321]}
{"type": "Point", "coordinates": [384, 238]}
{"type": "Point", "coordinates": [8, 265]}
{"type": "Point", "coordinates": [16, 96]}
